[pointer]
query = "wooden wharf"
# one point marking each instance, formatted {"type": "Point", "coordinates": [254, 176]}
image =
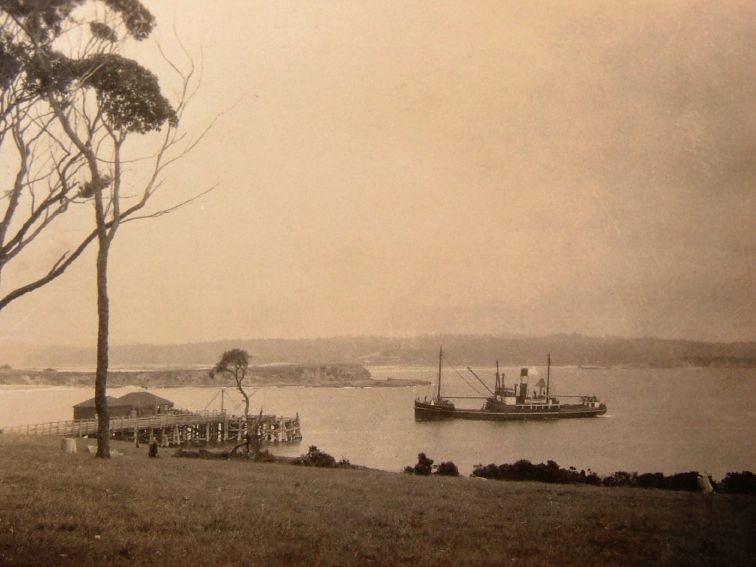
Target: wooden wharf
{"type": "Point", "coordinates": [176, 428]}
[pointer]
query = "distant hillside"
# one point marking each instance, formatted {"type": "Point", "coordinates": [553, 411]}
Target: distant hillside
{"type": "Point", "coordinates": [421, 350]}
{"type": "Point", "coordinates": [335, 375]}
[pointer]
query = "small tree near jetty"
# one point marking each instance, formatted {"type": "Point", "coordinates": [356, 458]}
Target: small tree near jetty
{"type": "Point", "coordinates": [235, 363]}
{"type": "Point", "coordinates": [447, 469]}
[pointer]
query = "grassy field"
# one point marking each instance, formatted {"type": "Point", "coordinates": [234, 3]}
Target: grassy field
{"type": "Point", "coordinates": [72, 509]}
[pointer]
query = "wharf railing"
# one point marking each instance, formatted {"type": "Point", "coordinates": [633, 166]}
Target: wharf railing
{"type": "Point", "coordinates": [173, 428]}
{"type": "Point", "coordinates": [82, 427]}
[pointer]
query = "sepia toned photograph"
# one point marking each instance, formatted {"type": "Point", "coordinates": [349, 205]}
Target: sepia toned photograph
{"type": "Point", "coordinates": [370, 282]}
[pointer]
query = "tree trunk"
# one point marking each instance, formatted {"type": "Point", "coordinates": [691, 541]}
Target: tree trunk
{"type": "Point", "coordinates": [246, 409]}
{"type": "Point", "coordinates": [244, 395]}
{"type": "Point", "coordinates": [101, 374]}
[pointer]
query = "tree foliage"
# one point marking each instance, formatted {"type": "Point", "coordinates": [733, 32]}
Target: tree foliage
{"type": "Point", "coordinates": [128, 94]}
{"type": "Point", "coordinates": [235, 363]}
{"type": "Point", "coordinates": [45, 19]}
{"type": "Point", "coordinates": [50, 129]}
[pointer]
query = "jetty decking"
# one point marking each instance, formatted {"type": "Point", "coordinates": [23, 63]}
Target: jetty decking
{"type": "Point", "coordinates": [175, 428]}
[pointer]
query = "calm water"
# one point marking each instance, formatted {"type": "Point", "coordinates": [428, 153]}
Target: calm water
{"type": "Point", "coordinates": [658, 420]}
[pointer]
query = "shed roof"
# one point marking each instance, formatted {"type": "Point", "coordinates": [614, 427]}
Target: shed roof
{"type": "Point", "coordinates": [143, 400]}
{"type": "Point", "coordinates": [111, 401]}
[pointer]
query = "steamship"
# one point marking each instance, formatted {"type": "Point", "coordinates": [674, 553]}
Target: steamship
{"type": "Point", "coordinates": [508, 403]}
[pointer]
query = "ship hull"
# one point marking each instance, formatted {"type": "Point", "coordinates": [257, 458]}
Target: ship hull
{"type": "Point", "coordinates": [429, 412]}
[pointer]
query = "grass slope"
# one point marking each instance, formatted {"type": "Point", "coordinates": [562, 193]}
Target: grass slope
{"type": "Point", "coordinates": [62, 509]}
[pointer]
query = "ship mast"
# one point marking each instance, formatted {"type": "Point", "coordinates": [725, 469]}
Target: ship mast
{"type": "Point", "coordinates": [440, 356]}
{"type": "Point", "coordinates": [548, 374]}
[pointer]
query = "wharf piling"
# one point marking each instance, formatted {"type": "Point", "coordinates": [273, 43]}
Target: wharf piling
{"type": "Point", "coordinates": [176, 428]}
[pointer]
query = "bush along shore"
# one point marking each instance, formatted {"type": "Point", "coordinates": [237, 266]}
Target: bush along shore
{"type": "Point", "coordinates": [313, 458]}
{"type": "Point", "coordinates": [733, 482]}
{"type": "Point", "coordinates": [59, 508]}
{"type": "Point", "coordinates": [523, 470]}
{"type": "Point", "coordinates": [550, 472]}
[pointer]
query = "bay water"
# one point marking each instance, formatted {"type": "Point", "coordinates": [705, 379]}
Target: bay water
{"type": "Point", "coordinates": [666, 420]}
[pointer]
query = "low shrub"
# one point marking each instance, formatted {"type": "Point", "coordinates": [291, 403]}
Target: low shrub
{"type": "Point", "coordinates": [739, 483]}
{"type": "Point", "coordinates": [525, 470]}
{"type": "Point", "coordinates": [205, 454]}
{"type": "Point", "coordinates": [687, 481]}
{"type": "Point", "coordinates": [620, 478]}
{"type": "Point", "coordinates": [552, 473]}
{"type": "Point", "coordinates": [201, 454]}
{"type": "Point", "coordinates": [425, 467]}
{"type": "Point", "coordinates": [184, 453]}
{"type": "Point", "coordinates": [316, 458]}
{"type": "Point", "coordinates": [447, 469]}
{"type": "Point", "coordinates": [263, 456]}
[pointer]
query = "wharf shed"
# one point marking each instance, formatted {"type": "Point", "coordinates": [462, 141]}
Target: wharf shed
{"type": "Point", "coordinates": [144, 403]}
{"type": "Point", "coordinates": [87, 410]}
{"type": "Point", "coordinates": [135, 404]}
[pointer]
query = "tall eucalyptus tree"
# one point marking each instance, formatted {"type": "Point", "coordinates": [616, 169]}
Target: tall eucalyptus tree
{"type": "Point", "coordinates": [90, 101]}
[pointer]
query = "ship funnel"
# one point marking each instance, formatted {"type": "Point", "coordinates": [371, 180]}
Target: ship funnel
{"type": "Point", "coordinates": [523, 372]}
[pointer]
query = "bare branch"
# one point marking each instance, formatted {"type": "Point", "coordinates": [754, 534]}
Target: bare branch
{"type": "Point", "coordinates": [58, 268]}
{"type": "Point", "coordinates": [83, 147]}
{"type": "Point", "coordinates": [62, 264]}
{"type": "Point", "coordinates": [162, 212]}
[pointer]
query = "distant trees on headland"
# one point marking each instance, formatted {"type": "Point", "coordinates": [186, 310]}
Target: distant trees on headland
{"type": "Point", "coordinates": [474, 350]}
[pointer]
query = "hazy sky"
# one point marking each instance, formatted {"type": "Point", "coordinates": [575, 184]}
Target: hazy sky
{"type": "Point", "coordinates": [394, 167]}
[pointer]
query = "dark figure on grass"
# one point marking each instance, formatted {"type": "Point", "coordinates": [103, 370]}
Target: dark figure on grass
{"type": "Point", "coordinates": [154, 450]}
{"type": "Point", "coordinates": [235, 363]}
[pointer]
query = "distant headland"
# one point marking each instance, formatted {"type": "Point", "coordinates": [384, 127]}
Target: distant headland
{"type": "Point", "coordinates": [330, 375]}
{"type": "Point", "coordinates": [565, 349]}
